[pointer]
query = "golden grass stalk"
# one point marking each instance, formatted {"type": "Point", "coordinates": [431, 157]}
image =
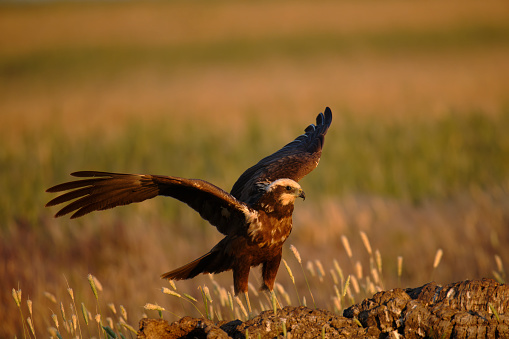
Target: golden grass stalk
{"type": "Point", "coordinates": [71, 293]}
{"type": "Point", "coordinates": [366, 243]}
{"type": "Point", "coordinates": [29, 305]}
{"type": "Point", "coordinates": [16, 297]}
{"type": "Point", "coordinates": [55, 320]}
{"type": "Point", "coordinates": [345, 286]}
{"type": "Point", "coordinates": [358, 269]}
{"type": "Point", "coordinates": [154, 307]}
{"type": "Point", "coordinates": [166, 290]}
{"type": "Point", "coordinates": [498, 261]}
{"type": "Point", "coordinates": [66, 326]}
{"type": "Point", "coordinates": [31, 326]}
{"type": "Point", "coordinates": [346, 245]}
{"type": "Point", "coordinates": [297, 256]}
{"type": "Point", "coordinates": [296, 253]}
{"type": "Point", "coordinates": [400, 268]}
{"type": "Point", "coordinates": [62, 311]}
{"type": "Point", "coordinates": [241, 306]}
{"type": "Point", "coordinates": [123, 312]}
{"type": "Point", "coordinates": [207, 293]}
{"type": "Point", "coordinates": [112, 308]}
{"type": "Point", "coordinates": [436, 262]}
{"type": "Point", "coordinates": [438, 257]}
{"type": "Point", "coordinates": [288, 269]}
{"type": "Point", "coordinates": [50, 297]}
{"type": "Point", "coordinates": [339, 270]}
{"type": "Point", "coordinates": [500, 275]}
{"type": "Point", "coordinates": [190, 297]}
{"type": "Point", "coordinates": [186, 298]}
{"type": "Point", "coordinates": [93, 285]}
{"type": "Point", "coordinates": [73, 308]}
{"type": "Point", "coordinates": [53, 332]}
{"type": "Point", "coordinates": [129, 327]}
{"type": "Point", "coordinates": [319, 268]}
{"type": "Point", "coordinates": [74, 321]}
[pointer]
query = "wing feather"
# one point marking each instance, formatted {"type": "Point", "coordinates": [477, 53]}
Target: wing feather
{"type": "Point", "coordinates": [107, 190]}
{"type": "Point", "coordinates": [294, 161]}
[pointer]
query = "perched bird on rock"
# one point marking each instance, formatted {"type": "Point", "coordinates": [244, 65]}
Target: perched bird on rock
{"type": "Point", "coordinates": [255, 217]}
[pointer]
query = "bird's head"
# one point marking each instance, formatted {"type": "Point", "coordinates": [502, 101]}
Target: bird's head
{"type": "Point", "coordinates": [286, 190]}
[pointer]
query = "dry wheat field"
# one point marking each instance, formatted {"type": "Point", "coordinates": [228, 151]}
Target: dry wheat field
{"type": "Point", "coordinates": [413, 184]}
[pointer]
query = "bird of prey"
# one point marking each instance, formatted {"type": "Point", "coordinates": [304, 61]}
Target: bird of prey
{"type": "Point", "coordinates": [255, 217]}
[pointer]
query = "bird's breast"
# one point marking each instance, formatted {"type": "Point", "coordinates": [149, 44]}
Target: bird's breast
{"type": "Point", "coordinates": [270, 231]}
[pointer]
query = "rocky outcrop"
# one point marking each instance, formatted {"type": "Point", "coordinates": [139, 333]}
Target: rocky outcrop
{"type": "Point", "coordinates": [467, 309]}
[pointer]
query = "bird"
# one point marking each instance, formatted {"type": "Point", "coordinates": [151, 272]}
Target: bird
{"type": "Point", "coordinates": [255, 217]}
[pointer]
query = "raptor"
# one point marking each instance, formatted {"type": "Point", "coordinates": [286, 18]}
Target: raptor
{"type": "Point", "coordinates": [255, 217]}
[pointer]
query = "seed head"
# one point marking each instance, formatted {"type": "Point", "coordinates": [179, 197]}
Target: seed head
{"type": "Point", "coordinates": [296, 253]}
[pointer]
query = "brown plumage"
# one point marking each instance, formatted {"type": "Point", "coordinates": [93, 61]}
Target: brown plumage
{"type": "Point", "coordinates": [256, 217]}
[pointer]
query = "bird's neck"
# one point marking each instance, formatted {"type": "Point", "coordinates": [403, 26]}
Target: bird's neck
{"type": "Point", "coordinates": [272, 206]}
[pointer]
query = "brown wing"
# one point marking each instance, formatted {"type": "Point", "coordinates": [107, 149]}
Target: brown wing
{"type": "Point", "coordinates": [107, 190]}
{"type": "Point", "coordinates": [293, 161]}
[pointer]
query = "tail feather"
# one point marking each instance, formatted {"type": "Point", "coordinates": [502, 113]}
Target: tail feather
{"type": "Point", "coordinates": [211, 262]}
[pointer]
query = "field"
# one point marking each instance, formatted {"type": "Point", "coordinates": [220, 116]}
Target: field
{"type": "Point", "coordinates": [416, 161]}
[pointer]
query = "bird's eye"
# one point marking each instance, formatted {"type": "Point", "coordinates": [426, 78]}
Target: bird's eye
{"type": "Point", "coordinates": [288, 188]}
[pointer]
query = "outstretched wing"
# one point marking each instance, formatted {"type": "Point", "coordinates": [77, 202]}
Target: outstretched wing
{"type": "Point", "coordinates": [106, 190]}
{"type": "Point", "coordinates": [293, 161]}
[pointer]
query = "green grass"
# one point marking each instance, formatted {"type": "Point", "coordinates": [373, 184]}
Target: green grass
{"type": "Point", "coordinates": [412, 160]}
{"type": "Point", "coordinates": [419, 159]}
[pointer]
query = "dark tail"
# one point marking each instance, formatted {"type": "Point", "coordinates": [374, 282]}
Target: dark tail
{"type": "Point", "coordinates": [212, 262]}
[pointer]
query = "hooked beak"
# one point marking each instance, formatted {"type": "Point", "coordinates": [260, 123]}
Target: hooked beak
{"type": "Point", "coordinates": [302, 194]}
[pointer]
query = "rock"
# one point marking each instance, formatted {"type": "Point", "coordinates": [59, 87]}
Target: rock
{"type": "Point", "coordinates": [459, 310]}
{"type": "Point", "coordinates": [186, 327]}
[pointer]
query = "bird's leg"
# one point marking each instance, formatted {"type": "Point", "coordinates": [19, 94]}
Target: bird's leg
{"type": "Point", "coordinates": [240, 283]}
{"type": "Point", "coordinates": [269, 272]}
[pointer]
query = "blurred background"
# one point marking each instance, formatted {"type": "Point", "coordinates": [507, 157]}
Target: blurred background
{"type": "Point", "coordinates": [417, 157]}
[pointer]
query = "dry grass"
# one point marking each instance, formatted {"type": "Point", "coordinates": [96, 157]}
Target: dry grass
{"type": "Point", "coordinates": [395, 59]}
{"type": "Point", "coordinates": [81, 83]}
